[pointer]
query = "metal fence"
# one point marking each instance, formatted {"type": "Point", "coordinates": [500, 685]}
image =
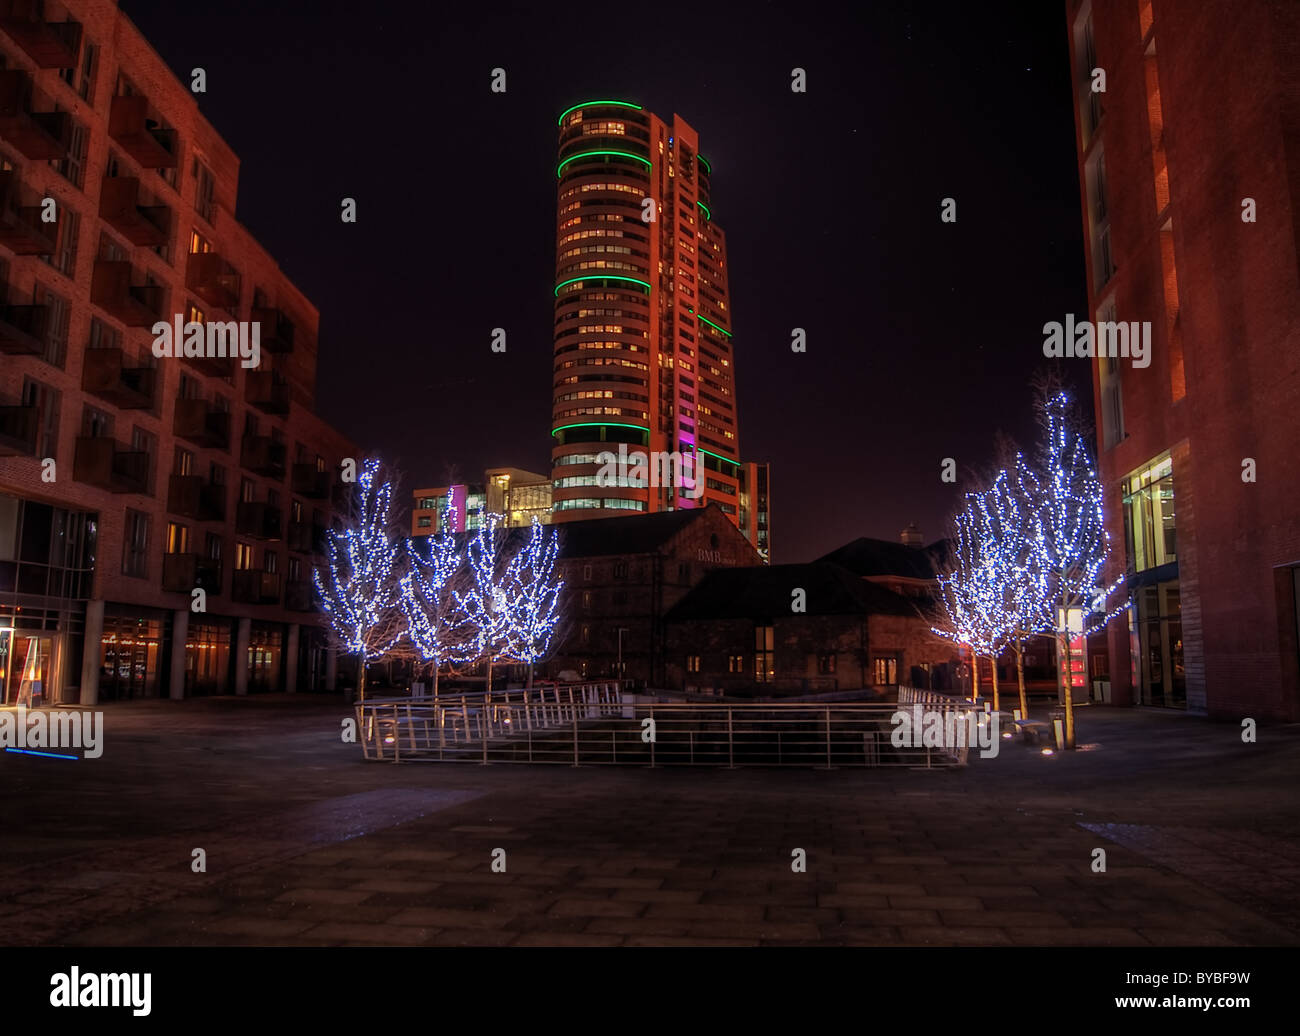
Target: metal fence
{"type": "Point", "coordinates": [597, 724]}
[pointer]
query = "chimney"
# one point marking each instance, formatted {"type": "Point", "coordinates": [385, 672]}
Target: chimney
{"type": "Point", "coordinates": [911, 536]}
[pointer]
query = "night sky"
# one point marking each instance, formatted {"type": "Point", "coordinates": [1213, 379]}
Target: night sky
{"type": "Point", "coordinates": [922, 336]}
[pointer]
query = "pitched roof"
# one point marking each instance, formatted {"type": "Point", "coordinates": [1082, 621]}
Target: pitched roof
{"type": "Point", "coordinates": [867, 557]}
{"type": "Point", "coordinates": [629, 534]}
{"type": "Point", "coordinates": [764, 592]}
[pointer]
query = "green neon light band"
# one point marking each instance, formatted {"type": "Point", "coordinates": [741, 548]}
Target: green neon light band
{"type": "Point", "coordinates": [592, 154]}
{"type": "Point", "coordinates": [594, 104]}
{"type": "Point", "coordinates": [707, 168]}
{"type": "Point", "coordinates": [600, 424]}
{"type": "Point", "coordinates": [601, 277]}
{"type": "Point", "coordinates": [707, 213]}
{"type": "Point", "coordinates": [715, 326]}
{"type": "Point", "coordinates": [701, 449]}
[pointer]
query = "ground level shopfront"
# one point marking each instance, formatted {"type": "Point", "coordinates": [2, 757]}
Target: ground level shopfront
{"type": "Point", "coordinates": [155, 653]}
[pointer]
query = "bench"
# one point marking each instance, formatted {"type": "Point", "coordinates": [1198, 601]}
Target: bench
{"type": "Point", "coordinates": [1031, 730]}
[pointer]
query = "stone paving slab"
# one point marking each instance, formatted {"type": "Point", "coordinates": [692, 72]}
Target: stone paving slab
{"type": "Point", "coordinates": [326, 850]}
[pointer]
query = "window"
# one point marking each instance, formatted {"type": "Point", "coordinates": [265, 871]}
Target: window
{"type": "Point", "coordinates": [735, 663]}
{"type": "Point", "coordinates": [103, 336]}
{"type": "Point", "coordinates": [586, 600]}
{"type": "Point", "coordinates": [73, 167]}
{"type": "Point", "coordinates": [243, 557]}
{"type": "Point", "coordinates": [95, 423]}
{"type": "Point", "coordinates": [764, 668]}
{"type": "Point", "coordinates": [247, 491]}
{"type": "Point", "coordinates": [56, 341]}
{"type": "Point", "coordinates": [586, 573]}
{"type": "Point", "coordinates": [135, 553]}
{"type": "Point", "coordinates": [203, 195]}
{"type": "Point", "coordinates": [199, 243]}
{"type": "Point", "coordinates": [692, 663]}
{"type": "Point", "coordinates": [885, 669]}
{"type": "Point", "coordinates": [620, 570]}
{"type": "Point", "coordinates": [82, 77]}
{"type": "Point", "coordinates": [178, 538]}
{"type": "Point", "coordinates": [143, 441]}
{"type": "Point", "coordinates": [826, 664]}
{"type": "Point", "coordinates": [67, 231]}
{"type": "Point", "coordinates": [270, 561]}
{"type": "Point", "coordinates": [213, 547]}
{"type": "Point", "coordinates": [46, 402]}
{"type": "Point", "coordinates": [295, 569]}
{"type": "Point", "coordinates": [424, 522]}
{"type": "Point", "coordinates": [182, 462]}
{"type": "Point", "coordinates": [1149, 531]}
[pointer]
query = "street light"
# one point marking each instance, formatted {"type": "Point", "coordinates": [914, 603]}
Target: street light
{"type": "Point", "coordinates": [621, 631]}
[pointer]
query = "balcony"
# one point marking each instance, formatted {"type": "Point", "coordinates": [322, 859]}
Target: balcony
{"type": "Point", "coordinates": [40, 135]}
{"type": "Point", "coordinates": [306, 481]}
{"type": "Point", "coordinates": [101, 462]}
{"type": "Point", "coordinates": [306, 538]}
{"type": "Point", "coordinates": [17, 431]}
{"type": "Point", "coordinates": [48, 44]}
{"type": "Point", "coordinates": [119, 205]}
{"type": "Point", "coordinates": [21, 229]}
{"type": "Point", "coordinates": [300, 596]}
{"type": "Point", "coordinates": [23, 329]}
{"type": "Point", "coordinates": [135, 305]}
{"type": "Point", "coordinates": [213, 279]}
{"type": "Point", "coordinates": [259, 520]}
{"type": "Point", "coordinates": [263, 455]}
{"type": "Point", "coordinates": [267, 390]}
{"type": "Point", "coordinates": [191, 496]}
{"type": "Point", "coordinates": [141, 137]}
{"type": "Point", "coordinates": [128, 388]}
{"type": "Point", "coordinates": [276, 330]}
{"type": "Point", "coordinates": [183, 573]}
{"type": "Point", "coordinates": [196, 421]}
{"type": "Point", "coordinates": [252, 587]}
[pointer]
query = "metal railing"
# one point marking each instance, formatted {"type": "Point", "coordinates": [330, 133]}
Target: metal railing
{"type": "Point", "coordinates": [597, 724]}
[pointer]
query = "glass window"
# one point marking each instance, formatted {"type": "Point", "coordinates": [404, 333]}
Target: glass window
{"type": "Point", "coordinates": [1149, 529]}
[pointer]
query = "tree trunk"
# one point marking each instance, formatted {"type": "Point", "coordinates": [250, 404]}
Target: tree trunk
{"type": "Point", "coordinates": [997, 702]}
{"type": "Point", "coordinates": [361, 679]}
{"type": "Point", "coordinates": [1020, 673]}
{"type": "Point", "coordinates": [974, 674]}
{"type": "Point", "coordinates": [530, 674]}
{"type": "Point", "coordinates": [488, 684]}
{"type": "Point", "coordinates": [1064, 639]}
{"type": "Point", "coordinates": [436, 667]}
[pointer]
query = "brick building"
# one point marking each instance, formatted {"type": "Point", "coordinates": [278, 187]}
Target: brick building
{"type": "Point", "coordinates": [128, 480]}
{"type": "Point", "coordinates": [1189, 173]}
{"type": "Point", "coordinates": [739, 632]}
{"type": "Point", "coordinates": [624, 574]}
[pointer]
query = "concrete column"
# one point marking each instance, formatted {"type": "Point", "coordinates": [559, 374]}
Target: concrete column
{"type": "Point", "coordinates": [240, 661]}
{"type": "Point", "coordinates": [91, 652]}
{"type": "Point", "coordinates": [291, 659]}
{"type": "Point", "coordinates": [180, 633]}
{"type": "Point", "coordinates": [331, 669]}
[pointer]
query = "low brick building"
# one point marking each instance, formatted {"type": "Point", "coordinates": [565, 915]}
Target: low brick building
{"type": "Point", "coordinates": [622, 575]}
{"type": "Point", "coordinates": [739, 632]}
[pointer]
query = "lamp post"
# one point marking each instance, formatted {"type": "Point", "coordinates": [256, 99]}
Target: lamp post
{"type": "Point", "coordinates": [621, 631]}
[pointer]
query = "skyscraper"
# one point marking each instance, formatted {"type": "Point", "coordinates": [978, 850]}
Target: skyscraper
{"type": "Point", "coordinates": [643, 333]}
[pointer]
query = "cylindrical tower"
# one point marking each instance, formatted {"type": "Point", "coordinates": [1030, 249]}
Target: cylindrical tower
{"type": "Point", "coordinates": [643, 358]}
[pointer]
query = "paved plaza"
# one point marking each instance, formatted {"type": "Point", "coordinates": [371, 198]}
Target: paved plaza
{"type": "Point", "coordinates": [307, 845]}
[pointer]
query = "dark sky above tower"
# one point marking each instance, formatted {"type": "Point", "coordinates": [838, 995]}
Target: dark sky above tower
{"type": "Point", "coordinates": [922, 336]}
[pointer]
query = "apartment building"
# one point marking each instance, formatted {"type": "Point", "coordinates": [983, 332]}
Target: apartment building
{"type": "Point", "coordinates": [159, 516]}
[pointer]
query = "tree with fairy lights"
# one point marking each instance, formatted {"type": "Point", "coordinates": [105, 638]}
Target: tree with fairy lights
{"type": "Point", "coordinates": [1020, 593]}
{"type": "Point", "coordinates": [1069, 547]}
{"type": "Point", "coordinates": [481, 603]}
{"type": "Point", "coordinates": [360, 586]}
{"type": "Point", "coordinates": [532, 590]}
{"type": "Point", "coordinates": [968, 611]}
{"type": "Point", "coordinates": [437, 628]}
